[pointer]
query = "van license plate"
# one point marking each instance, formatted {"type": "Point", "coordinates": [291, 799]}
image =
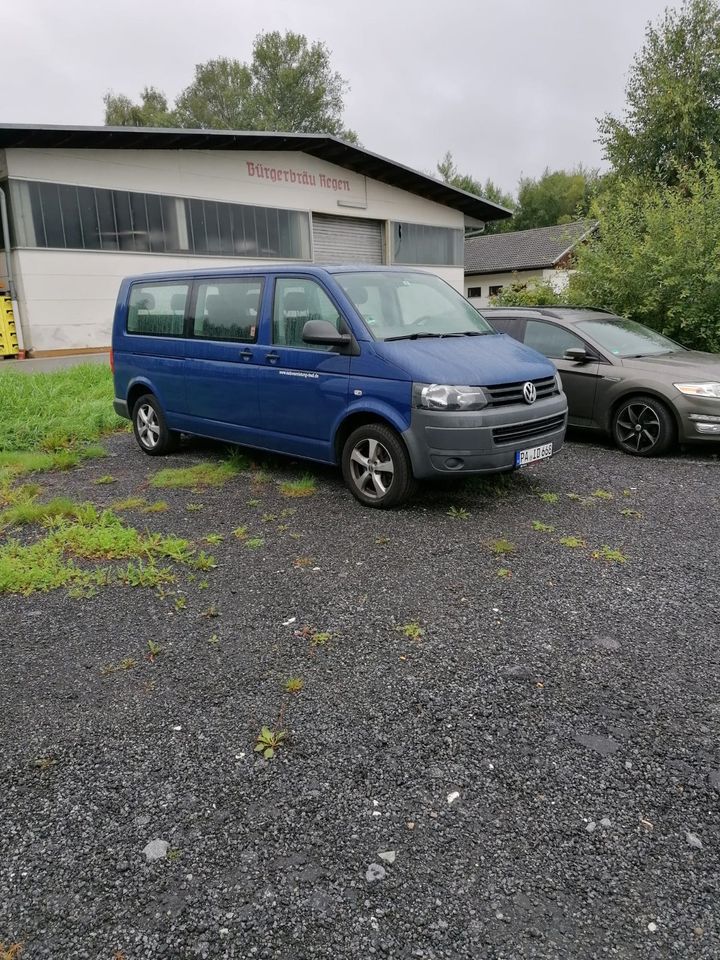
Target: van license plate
{"type": "Point", "coordinates": [523, 457]}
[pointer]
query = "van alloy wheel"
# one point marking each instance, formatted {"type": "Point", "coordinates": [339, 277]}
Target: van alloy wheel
{"type": "Point", "coordinates": [372, 468]}
{"type": "Point", "coordinates": [376, 466]}
{"type": "Point", "coordinates": [148, 426]}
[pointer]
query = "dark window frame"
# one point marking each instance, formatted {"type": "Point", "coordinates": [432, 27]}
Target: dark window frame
{"type": "Point", "coordinates": [312, 348]}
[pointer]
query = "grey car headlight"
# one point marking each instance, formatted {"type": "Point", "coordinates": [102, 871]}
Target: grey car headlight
{"type": "Point", "coordinates": [439, 396]}
{"type": "Point", "coordinates": [699, 389]}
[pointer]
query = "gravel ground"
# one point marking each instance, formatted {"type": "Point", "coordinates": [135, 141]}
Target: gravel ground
{"type": "Point", "coordinates": [536, 775]}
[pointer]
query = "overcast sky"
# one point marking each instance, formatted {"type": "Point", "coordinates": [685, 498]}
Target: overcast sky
{"type": "Point", "coordinates": [510, 86]}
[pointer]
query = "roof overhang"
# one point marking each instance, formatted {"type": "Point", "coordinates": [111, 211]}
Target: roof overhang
{"type": "Point", "coordinates": [330, 149]}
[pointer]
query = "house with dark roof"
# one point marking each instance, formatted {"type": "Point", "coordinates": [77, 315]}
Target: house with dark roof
{"type": "Point", "coordinates": [544, 254]}
{"type": "Point", "coordinates": [83, 207]}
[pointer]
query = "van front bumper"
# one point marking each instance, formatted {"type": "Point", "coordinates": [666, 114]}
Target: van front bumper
{"type": "Point", "coordinates": [483, 441]}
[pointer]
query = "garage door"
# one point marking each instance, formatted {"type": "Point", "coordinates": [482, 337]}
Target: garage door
{"type": "Point", "coordinates": [347, 240]}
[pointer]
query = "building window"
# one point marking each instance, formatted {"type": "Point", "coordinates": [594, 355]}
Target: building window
{"type": "Point", "coordinates": [157, 309]}
{"type": "Point", "coordinates": [67, 217]}
{"type": "Point", "coordinates": [432, 246]}
{"type": "Point", "coordinates": [495, 291]}
{"type": "Point", "coordinates": [474, 292]}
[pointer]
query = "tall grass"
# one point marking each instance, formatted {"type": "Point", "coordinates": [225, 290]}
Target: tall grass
{"type": "Point", "coordinates": [48, 411]}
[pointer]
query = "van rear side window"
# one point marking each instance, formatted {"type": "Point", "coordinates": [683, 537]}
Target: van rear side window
{"type": "Point", "coordinates": [157, 309]}
{"type": "Point", "coordinates": [228, 310]}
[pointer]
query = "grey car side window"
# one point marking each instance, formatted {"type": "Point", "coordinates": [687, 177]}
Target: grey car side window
{"type": "Point", "coordinates": [550, 339]}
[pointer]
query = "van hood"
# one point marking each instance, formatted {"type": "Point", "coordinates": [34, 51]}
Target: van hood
{"type": "Point", "coordinates": [483, 361]}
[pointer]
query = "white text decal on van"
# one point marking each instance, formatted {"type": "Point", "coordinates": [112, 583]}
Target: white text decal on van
{"type": "Point", "coordinates": [299, 373]}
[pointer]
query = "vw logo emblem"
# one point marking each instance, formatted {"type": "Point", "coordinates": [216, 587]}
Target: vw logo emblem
{"type": "Point", "coordinates": [529, 392]}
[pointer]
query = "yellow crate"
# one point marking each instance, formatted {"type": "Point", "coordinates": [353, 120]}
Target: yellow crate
{"type": "Point", "coordinates": [8, 330]}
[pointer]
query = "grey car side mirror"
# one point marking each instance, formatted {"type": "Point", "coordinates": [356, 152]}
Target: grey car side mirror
{"type": "Point", "coordinates": [576, 354]}
{"type": "Point", "coordinates": [323, 333]}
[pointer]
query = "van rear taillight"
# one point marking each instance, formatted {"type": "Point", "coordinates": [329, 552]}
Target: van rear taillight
{"type": "Point", "coordinates": [112, 361]}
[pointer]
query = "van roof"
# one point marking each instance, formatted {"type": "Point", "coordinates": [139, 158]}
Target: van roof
{"type": "Point", "coordinates": [311, 269]}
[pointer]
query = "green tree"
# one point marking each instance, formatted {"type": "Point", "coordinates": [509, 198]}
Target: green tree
{"type": "Point", "coordinates": [532, 293]}
{"type": "Point", "coordinates": [449, 173]}
{"type": "Point", "coordinates": [288, 85]}
{"type": "Point", "coordinates": [151, 111]}
{"type": "Point", "coordinates": [673, 97]}
{"type": "Point", "coordinates": [656, 257]}
{"type": "Point", "coordinates": [558, 196]}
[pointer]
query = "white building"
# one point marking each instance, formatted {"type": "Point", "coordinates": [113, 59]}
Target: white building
{"type": "Point", "coordinates": [542, 254]}
{"type": "Point", "coordinates": [90, 205]}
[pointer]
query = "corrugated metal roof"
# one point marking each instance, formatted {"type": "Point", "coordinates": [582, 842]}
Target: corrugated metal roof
{"type": "Point", "coordinates": [534, 249]}
{"type": "Point", "coordinates": [325, 147]}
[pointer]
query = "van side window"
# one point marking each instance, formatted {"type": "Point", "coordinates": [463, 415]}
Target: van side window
{"type": "Point", "coordinates": [157, 309]}
{"type": "Point", "coordinates": [297, 301]}
{"type": "Point", "coordinates": [228, 310]}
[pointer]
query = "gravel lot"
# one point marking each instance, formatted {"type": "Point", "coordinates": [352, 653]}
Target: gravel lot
{"type": "Point", "coordinates": [540, 767]}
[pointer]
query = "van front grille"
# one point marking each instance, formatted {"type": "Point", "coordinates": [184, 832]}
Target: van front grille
{"type": "Point", "coordinates": [526, 431]}
{"type": "Point", "coordinates": [505, 393]}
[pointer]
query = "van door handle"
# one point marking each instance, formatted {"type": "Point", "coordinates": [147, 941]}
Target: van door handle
{"type": "Point", "coordinates": [272, 357]}
{"type": "Point", "coordinates": [246, 354]}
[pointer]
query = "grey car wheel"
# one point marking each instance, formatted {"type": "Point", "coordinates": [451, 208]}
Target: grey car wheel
{"type": "Point", "coordinates": [376, 466]}
{"type": "Point", "coordinates": [643, 427]}
{"type": "Point", "coordinates": [151, 429]}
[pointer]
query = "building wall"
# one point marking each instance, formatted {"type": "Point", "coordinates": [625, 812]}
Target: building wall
{"type": "Point", "coordinates": [558, 280]}
{"type": "Point", "coordinates": [66, 297]}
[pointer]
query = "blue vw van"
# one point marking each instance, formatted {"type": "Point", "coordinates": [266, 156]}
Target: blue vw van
{"type": "Point", "coordinates": [388, 372]}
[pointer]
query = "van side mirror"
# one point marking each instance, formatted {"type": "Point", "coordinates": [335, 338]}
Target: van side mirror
{"type": "Point", "coordinates": [576, 354]}
{"type": "Point", "coordinates": [324, 334]}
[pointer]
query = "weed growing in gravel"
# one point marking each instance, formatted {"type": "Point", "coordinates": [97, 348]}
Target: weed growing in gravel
{"type": "Point", "coordinates": [259, 477]}
{"type": "Point", "coordinates": [154, 650]}
{"type": "Point", "coordinates": [13, 951]}
{"type": "Point", "coordinates": [29, 512]}
{"type": "Point", "coordinates": [129, 503]}
{"type": "Point", "coordinates": [504, 572]}
{"type": "Point", "coordinates": [381, 541]}
{"type": "Point", "coordinates": [253, 503]}
{"type": "Point", "coordinates": [458, 513]}
{"type": "Point", "coordinates": [601, 494]}
{"type": "Point", "coordinates": [159, 506]}
{"type": "Point", "coordinates": [237, 459]}
{"type": "Point", "coordinates": [302, 562]}
{"type": "Point", "coordinates": [203, 585]}
{"type": "Point", "coordinates": [194, 478]}
{"type": "Point", "coordinates": [501, 547]}
{"type": "Point", "coordinates": [628, 512]}
{"type": "Point", "coordinates": [203, 561]}
{"type": "Point", "coordinates": [610, 555]}
{"type": "Point", "coordinates": [214, 639]}
{"type": "Point", "coordinates": [145, 575]}
{"type": "Point", "coordinates": [574, 496]}
{"type": "Point", "coordinates": [320, 638]}
{"type": "Point", "coordinates": [127, 663]}
{"type": "Point", "coordinates": [18, 463]}
{"type": "Point", "coordinates": [254, 543]}
{"type": "Point", "coordinates": [288, 512]}
{"type": "Point", "coordinates": [194, 507]}
{"type": "Point", "coordinates": [240, 533]}
{"type": "Point", "coordinates": [495, 487]}
{"type": "Point", "coordinates": [294, 685]}
{"type": "Point", "coordinates": [268, 518]}
{"type": "Point", "coordinates": [269, 741]}
{"type": "Point", "coordinates": [104, 480]}
{"type": "Point", "coordinates": [212, 611]}
{"type": "Point", "coordinates": [304, 487]}
{"type": "Point", "coordinates": [549, 497]}
{"type": "Point", "coordinates": [542, 527]}
{"type": "Point", "coordinates": [572, 542]}
{"type": "Point", "coordinates": [180, 603]}
{"type": "Point", "coordinates": [413, 631]}
{"type": "Point", "coordinates": [9, 495]}
{"type": "Point", "coordinates": [45, 763]}
{"type": "Point", "coordinates": [214, 538]}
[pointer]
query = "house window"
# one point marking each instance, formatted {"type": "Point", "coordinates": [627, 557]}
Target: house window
{"type": "Point", "coordinates": [67, 217]}
{"type": "Point", "coordinates": [495, 291]}
{"type": "Point", "coordinates": [432, 246]}
{"type": "Point", "coordinates": [474, 292]}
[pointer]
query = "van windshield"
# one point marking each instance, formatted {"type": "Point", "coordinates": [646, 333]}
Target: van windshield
{"type": "Point", "coordinates": [408, 306]}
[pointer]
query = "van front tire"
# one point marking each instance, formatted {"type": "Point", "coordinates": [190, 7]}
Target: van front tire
{"type": "Point", "coordinates": [376, 467]}
{"type": "Point", "coordinates": [150, 427]}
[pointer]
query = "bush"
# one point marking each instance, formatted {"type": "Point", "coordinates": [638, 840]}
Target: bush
{"type": "Point", "coordinates": [656, 257]}
{"type": "Point", "coordinates": [534, 293]}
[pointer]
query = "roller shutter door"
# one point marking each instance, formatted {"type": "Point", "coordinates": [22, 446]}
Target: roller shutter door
{"type": "Point", "coordinates": [347, 240]}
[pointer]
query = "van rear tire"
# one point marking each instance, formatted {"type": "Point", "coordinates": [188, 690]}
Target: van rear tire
{"type": "Point", "coordinates": [376, 467]}
{"type": "Point", "coordinates": [152, 433]}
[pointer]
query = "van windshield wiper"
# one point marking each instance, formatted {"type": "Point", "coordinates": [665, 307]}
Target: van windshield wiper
{"type": "Point", "coordinates": [414, 336]}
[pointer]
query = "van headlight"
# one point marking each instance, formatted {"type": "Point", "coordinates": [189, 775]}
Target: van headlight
{"type": "Point", "coordinates": [699, 389]}
{"type": "Point", "coordinates": [440, 396]}
{"type": "Point", "coordinates": [558, 381]}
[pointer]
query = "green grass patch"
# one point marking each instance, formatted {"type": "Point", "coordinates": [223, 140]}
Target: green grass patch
{"type": "Point", "coordinates": [54, 410]}
{"type": "Point", "coordinates": [609, 555]}
{"type": "Point", "coordinates": [573, 543]}
{"type": "Point", "coordinates": [304, 487]}
{"type": "Point", "coordinates": [104, 480]}
{"type": "Point", "coordinates": [194, 478]}
{"type": "Point", "coordinates": [542, 527]}
{"type": "Point", "coordinates": [501, 547]}
{"type": "Point", "coordinates": [29, 512]}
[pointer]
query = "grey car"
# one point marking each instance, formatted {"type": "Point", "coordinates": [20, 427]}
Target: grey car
{"type": "Point", "coordinates": [621, 377]}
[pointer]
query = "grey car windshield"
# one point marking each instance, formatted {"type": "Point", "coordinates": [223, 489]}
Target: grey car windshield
{"type": "Point", "coordinates": [627, 338]}
{"type": "Point", "coordinates": [409, 306]}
